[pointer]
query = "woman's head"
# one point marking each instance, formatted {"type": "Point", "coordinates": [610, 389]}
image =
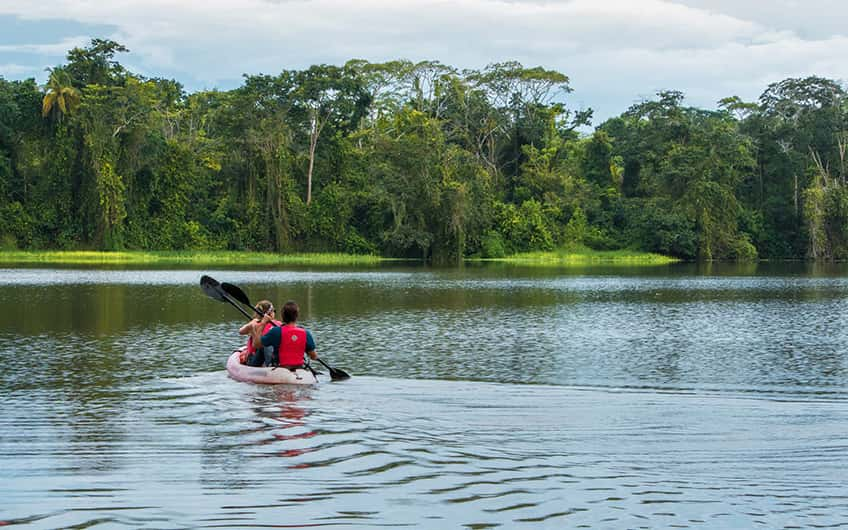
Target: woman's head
{"type": "Point", "coordinates": [266, 307]}
{"type": "Point", "coordinates": [290, 312]}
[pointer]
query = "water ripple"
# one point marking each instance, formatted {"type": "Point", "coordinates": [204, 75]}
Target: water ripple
{"type": "Point", "coordinates": [649, 402]}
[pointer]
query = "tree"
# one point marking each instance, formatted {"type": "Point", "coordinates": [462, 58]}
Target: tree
{"type": "Point", "coordinates": [387, 84]}
{"type": "Point", "coordinates": [94, 64]}
{"type": "Point", "coordinates": [799, 120]}
{"type": "Point", "coordinates": [597, 164]}
{"type": "Point", "coordinates": [254, 127]}
{"type": "Point", "coordinates": [20, 128]}
{"type": "Point", "coordinates": [113, 118]}
{"type": "Point", "coordinates": [330, 96]}
{"type": "Point", "coordinates": [61, 95]}
{"type": "Point", "coordinates": [695, 159]}
{"type": "Point", "coordinates": [526, 99]}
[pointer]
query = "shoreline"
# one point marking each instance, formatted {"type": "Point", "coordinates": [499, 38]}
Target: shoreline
{"type": "Point", "coordinates": [153, 257]}
{"type": "Point", "coordinates": [147, 257]}
{"type": "Point", "coordinates": [584, 257]}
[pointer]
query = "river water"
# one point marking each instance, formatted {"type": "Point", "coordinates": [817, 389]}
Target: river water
{"type": "Point", "coordinates": [482, 397]}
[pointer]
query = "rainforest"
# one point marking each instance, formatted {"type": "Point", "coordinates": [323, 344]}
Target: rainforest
{"type": "Point", "coordinates": [415, 160]}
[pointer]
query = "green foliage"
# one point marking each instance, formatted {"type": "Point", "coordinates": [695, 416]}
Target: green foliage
{"type": "Point", "coordinates": [61, 97]}
{"type": "Point", "coordinates": [576, 230]}
{"type": "Point", "coordinates": [17, 226]}
{"type": "Point", "coordinates": [524, 228]}
{"type": "Point", "coordinates": [654, 226]}
{"type": "Point", "coordinates": [598, 164]}
{"type": "Point", "coordinates": [826, 211]}
{"type": "Point", "coordinates": [415, 160]}
{"type": "Point", "coordinates": [196, 258]}
{"type": "Point", "coordinates": [799, 122]}
{"type": "Point", "coordinates": [584, 256]}
{"type": "Point", "coordinates": [94, 64]}
{"type": "Point", "coordinates": [493, 245]}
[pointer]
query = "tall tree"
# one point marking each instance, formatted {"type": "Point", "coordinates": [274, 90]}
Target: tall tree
{"type": "Point", "coordinates": [61, 96]}
{"type": "Point", "coordinates": [798, 119]}
{"type": "Point", "coordinates": [95, 64]}
{"type": "Point", "coordinates": [332, 96]}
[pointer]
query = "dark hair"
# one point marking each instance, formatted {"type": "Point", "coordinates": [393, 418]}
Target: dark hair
{"type": "Point", "coordinates": [290, 312]}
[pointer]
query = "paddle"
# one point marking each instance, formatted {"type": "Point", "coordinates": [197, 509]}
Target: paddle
{"type": "Point", "coordinates": [236, 293]}
{"type": "Point", "coordinates": [227, 292]}
{"type": "Point", "coordinates": [213, 290]}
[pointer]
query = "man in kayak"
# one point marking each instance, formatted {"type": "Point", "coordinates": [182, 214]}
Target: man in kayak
{"type": "Point", "coordinates": [289, 342]}
{"type": "Point", "coordinates": [254, 356]}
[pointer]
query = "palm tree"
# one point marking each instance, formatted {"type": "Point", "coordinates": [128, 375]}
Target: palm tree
{"type": "Point", "coordinates": [61, 95]}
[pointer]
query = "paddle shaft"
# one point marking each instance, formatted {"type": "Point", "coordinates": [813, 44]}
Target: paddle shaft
{"type": "Point", "coordinates": [234, 304]}
{"type": "Point", "coordinates": [327, 366]}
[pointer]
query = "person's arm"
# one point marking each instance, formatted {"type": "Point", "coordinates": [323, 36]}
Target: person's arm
{"type": "Point", "coordinates": [310, 346]}
{"type": "Point", "coordinates": [256, 331]}
{"type": "Point", "coordinates": [256, 337]}
{"type": "Point", "coordinates": [272, 338]}
{"type": "Point", "coordinates": [248, 328]}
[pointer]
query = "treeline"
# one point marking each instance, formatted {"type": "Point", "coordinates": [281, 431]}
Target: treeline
{"type": "Point", "coordinates": [414, 160]}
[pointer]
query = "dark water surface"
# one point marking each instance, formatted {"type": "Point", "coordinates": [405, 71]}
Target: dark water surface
{"type": "Point", "coordinates": [669, 397]}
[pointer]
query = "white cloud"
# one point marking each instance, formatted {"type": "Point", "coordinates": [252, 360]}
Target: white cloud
{"type": "Point", "coordinates": [615, 51]}
{"type": "Point", "coordinates": [16, 71]}
{"type": "Point", "coordinates": [58, 48]}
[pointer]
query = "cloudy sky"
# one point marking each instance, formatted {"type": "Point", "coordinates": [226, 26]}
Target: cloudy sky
{"type": "Point", "coordinates": [616, 52]}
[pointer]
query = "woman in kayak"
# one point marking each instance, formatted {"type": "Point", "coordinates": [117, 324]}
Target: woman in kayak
{"type": "Point", "coordinates": [289, 342]}
{"type": "Point", "coordinates": [254, 356]}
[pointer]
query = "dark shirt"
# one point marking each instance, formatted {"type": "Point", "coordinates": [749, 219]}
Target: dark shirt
{"type": "Point", "coordinates": [272, 338]}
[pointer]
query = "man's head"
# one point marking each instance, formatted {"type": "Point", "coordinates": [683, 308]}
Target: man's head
{"type": "Point", "coordinates": [290, 312]}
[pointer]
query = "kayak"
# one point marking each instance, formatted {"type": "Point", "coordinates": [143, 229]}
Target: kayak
{"type": "Point", "coordinates": [269, 375]}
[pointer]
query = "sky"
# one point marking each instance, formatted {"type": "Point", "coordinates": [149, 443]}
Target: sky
{"type": "Point", "coordinates": [615, 52]}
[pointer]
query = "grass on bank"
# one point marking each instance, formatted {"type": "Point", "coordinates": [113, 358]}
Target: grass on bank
{"type": "Point", "coordinates": [584, 256]}
{"type": "Point", "coordinates": [581, 256]}
{"type": "Point", "coordinates": [91, 257]}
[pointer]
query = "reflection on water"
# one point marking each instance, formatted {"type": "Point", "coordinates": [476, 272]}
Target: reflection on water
{"type": "Point", "coordinates": [657, 400]}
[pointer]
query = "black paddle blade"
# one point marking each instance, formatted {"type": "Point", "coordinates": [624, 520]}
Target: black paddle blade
{"type": "Point", "coordinates": [236, 293]}
{"type": "Point", "coordinates": [335, 373]}
{"type": "Point", "coordinates": [212, 288]}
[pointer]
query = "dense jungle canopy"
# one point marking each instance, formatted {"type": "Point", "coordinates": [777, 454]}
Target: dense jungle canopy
{"type": "Point", "coordinates": [414, 160]}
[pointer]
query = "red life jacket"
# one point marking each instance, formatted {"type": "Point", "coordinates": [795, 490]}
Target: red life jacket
{"type": "Point", "coordinates": [268, 326]}
{"type": "Point", "coordinates": [292, 345]}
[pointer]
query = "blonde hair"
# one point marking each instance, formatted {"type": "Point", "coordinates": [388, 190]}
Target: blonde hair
{"type": "Point", "coordinates": [264, 306]}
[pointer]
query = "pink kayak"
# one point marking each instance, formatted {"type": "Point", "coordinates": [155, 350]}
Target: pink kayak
{"type": "Point", "coordinates": [267, 376]}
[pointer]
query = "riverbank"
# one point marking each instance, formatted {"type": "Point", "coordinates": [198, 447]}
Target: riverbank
{"type": "Point", "coordinates": [182, 258]}
{"type": "Point", "coordinates": [587, 256]}
{"type": "Point", "coordinates": [61, 257]}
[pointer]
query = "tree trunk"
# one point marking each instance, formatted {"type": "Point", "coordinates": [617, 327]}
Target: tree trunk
{"type": "Point", "coordinates": [313, 142]}
{"type": "Point", "coordinates": [796, 194]}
